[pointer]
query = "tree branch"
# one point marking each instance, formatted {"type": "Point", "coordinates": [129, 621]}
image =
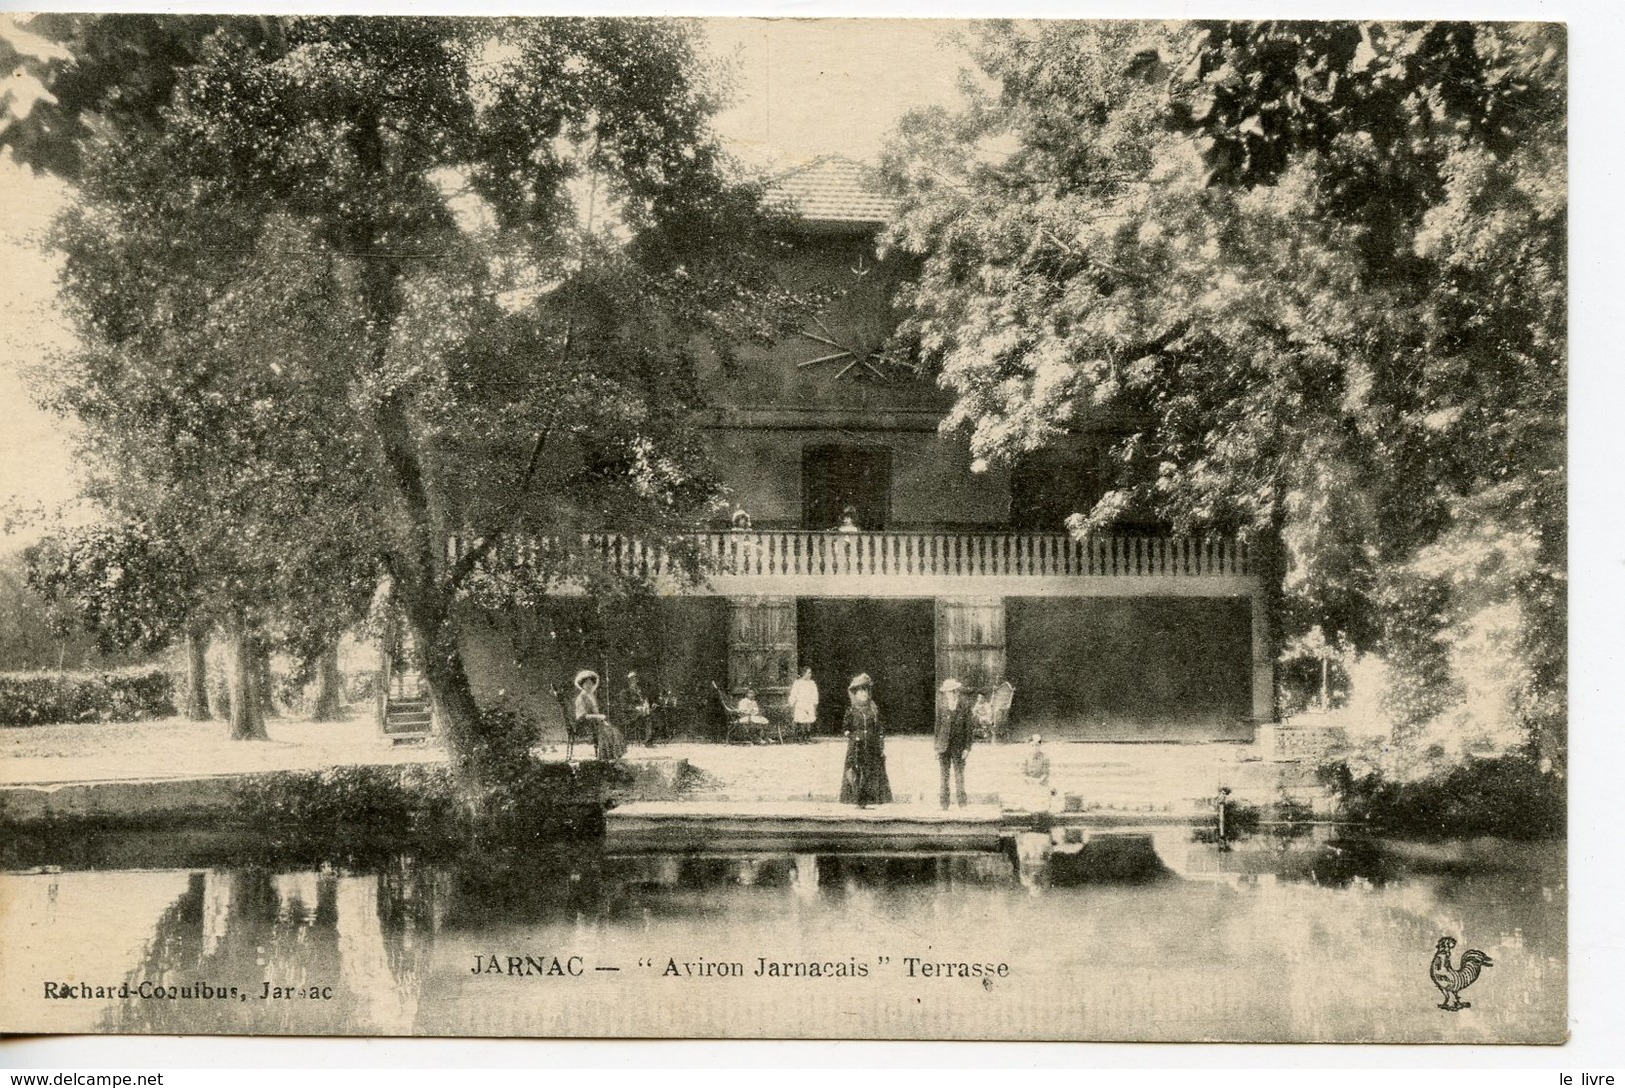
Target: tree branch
{"type": "Point", "coordinates": [490, 538]}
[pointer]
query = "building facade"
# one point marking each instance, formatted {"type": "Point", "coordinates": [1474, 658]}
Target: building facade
{"type": "Point", "coordinates": [939, 570]}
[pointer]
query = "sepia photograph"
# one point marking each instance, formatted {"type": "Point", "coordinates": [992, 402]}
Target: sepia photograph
{"type": "Point", "coordinates": [784, 529]}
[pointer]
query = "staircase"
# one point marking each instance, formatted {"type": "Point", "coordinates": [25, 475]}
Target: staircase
{"type": "Point", "coordinates": [406, 715]}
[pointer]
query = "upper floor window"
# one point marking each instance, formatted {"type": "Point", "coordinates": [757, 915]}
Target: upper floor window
{"type": "Point", "coordinates": [846, 487]}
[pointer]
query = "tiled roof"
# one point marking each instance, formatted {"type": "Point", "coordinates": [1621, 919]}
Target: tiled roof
{"type": "Point", "coordinates": [833, 189]}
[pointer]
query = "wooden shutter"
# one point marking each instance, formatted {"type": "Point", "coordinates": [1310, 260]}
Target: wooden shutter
{"type": "Point", "coordinates": [970, 641]}
{"type": "Point", "coordinates": [761, 644]}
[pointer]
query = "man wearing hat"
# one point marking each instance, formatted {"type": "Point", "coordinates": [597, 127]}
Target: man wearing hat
{"type": "Point", "coordinates": [953, 737]}
{"type": "Point", "coordinates": [637, 711]}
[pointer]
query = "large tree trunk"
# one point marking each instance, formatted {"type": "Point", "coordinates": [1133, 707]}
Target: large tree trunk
{"type": "Point", "coordinates": [451, 695]}
{"type": "Point", "coordinates": [247, 717]}
{"type": "Point", "coordinates": [424, 584]}
{"type": "Point", "coordinates": [329, 702]}
{"type": "Point", "coordinates": [425, 590]}
{"type": "Point", "coordinates": [197, 674]}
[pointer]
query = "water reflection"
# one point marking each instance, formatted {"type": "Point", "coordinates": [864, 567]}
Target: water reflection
{"type": "Point", "coordinates": [1277, 937]}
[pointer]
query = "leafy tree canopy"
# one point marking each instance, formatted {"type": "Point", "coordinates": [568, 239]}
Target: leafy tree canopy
{"type": "Point", "coordinates": [375, 280]}
{"type": "Point", "coordinates": [1312, 274]}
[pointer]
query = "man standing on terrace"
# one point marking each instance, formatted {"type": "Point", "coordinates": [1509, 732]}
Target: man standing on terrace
{"type": "Point", "coordinates": [954, 735]}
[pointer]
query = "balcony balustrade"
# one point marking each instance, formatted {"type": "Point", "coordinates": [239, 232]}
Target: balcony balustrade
{"type": "Point", "coordinates": [791, 560]}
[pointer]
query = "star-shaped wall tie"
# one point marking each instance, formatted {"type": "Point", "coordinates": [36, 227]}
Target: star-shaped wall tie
{"type": "Point", "coordinates": [856, 356]}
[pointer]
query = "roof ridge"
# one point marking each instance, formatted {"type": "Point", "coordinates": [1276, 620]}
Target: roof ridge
{"type": "Point", "coordinates": [834, 187]}
{"type": "Point", "coordinates": [816, 161]}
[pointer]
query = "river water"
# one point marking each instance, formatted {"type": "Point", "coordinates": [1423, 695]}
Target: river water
{"type": "Point", "coordinates": [1307, 937]}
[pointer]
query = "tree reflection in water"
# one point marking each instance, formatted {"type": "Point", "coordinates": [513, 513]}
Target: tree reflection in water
{"type": "Point", "coordinates": [250, 930]}
{"type": "Point", "coordinates": [1261, 927]}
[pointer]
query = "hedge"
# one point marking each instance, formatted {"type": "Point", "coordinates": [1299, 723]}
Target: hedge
{"type": "Point", "coordinates": [112, 695]}
{"type": "Point", "coordinates": [358, 810]}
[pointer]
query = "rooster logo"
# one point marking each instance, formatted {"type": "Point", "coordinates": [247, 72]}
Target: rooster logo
{"type": "Point", "coordinates": [1452, 980]}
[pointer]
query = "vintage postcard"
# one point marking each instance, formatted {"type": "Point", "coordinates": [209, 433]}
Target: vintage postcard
{"type": "Point", "coordinates": [784, 529]}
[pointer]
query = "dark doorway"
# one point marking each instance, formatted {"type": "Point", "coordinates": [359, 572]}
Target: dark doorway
{"type": "Point", "coordinates": [1131, 668]}
{"type": "Point", "coordinates": [835, 477]}
{"type": "Point", "coordinates": [891, 640]}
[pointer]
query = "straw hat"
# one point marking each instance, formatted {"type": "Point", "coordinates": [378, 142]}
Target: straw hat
{"type": "Point", "coordinates": [951, 685]}
{"type": "Point", "coordinates": [584, 675]}
{"type": "Point", "coordinates": [860, 681]}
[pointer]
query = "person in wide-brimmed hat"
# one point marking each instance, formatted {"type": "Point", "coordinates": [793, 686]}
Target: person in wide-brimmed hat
{"type": "Point", "coordinates": [954, 734]}
{"type": "Point", "coordinates": [608, 743]}
{"type": "Point", "coordinates": [864, 781]}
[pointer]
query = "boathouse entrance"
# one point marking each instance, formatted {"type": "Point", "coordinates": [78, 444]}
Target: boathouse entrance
{"type": "Point", "coordinates": [891, 639]}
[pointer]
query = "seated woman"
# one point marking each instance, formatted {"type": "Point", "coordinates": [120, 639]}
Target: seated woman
{"type": "Point", "coordinates": [748, 714]}
{"type": "Point", "coordinates": [982, 715]}
{"type": "Point", "coordinates": [608, 744]}
{"type": "Point", "coordinates": [1035, 777]}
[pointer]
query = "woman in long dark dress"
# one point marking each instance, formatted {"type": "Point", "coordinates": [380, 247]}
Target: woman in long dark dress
{"type": "Point", "coordinates": [864, 781]}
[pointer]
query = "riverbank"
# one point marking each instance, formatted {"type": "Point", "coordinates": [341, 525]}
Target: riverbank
{"type": "Point", "coordinates": [1147, 777]}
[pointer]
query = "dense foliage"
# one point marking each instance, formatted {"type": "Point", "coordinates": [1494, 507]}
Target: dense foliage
{"type": "Point", "coordinates": [1312, 276]}
{"type": "Point", "coordinates": [113, 695]}
{"type": "Point", "coordinates": [368, 809]}
{"type": "Point", "coordinates": [119, 583]}
{"type": "Point", "coordinates": [35, 633]}
{"type": "Point", "coordinates": [347, 286]}
{"type": "Point", "coordinates": [1509, 797]}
